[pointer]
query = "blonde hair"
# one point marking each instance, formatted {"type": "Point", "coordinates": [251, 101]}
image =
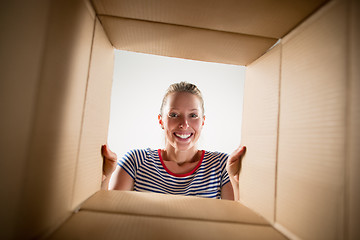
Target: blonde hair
{"type": "Point", "coordinates": [183, 87]}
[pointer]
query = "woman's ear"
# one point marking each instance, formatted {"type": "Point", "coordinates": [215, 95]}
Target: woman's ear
{"type": "Point", "coordinates": [160, 121]}
{"type": "Point", "coordinates": [203, 122]}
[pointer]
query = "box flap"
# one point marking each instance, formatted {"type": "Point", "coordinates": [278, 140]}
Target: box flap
{"type": "Point", "coordinates": [98, 225]}
{"type": "Point", "coordinates": [162, 205]}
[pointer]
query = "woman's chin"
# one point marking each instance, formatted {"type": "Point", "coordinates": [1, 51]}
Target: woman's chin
{"type": "Point", "coordinates": [184, 147]}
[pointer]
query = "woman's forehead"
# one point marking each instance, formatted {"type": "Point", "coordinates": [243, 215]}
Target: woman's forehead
{"type": "Point", "coordinates": [183, 100]}
{"type": "Point", "coordinates": [179, 109]}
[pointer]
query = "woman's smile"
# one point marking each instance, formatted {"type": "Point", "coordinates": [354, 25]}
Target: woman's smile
{"type": "Point", "coordinates": [182, 120]}
{"type": "Point", "coordinates": [183, 136]}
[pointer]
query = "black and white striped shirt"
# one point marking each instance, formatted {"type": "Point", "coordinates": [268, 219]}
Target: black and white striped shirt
{"type": "Point", "coordinates": [150, 174]}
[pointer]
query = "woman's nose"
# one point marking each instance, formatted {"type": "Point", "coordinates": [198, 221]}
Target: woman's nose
{"type": "Point", "coordinates": [183, 123]}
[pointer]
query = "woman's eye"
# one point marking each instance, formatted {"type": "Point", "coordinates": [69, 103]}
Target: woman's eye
{"type": "Point", "coordinates": [193, 115]}
{"type": "Point", "coordinates": [172, 115]}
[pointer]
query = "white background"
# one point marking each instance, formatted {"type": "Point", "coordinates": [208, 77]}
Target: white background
{"type": "Point", "coordinates": [139, 84]}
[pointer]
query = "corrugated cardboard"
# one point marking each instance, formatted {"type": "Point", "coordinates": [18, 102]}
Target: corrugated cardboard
{"type": "Point", "coordinates": [160, 205]}
{"type": "Point", "coordinates": [95, 119]}
{"type": "Point", "coordinates": [20, 66]}
{"type": "Point", "coordinates": [231, 32]}
{"type": "Point", "coordinates": [312, 130]}
{"type": "Point", "coordinates": [353, 127]}
{"type": "Point", "coordinates": [46, 192]}
{"type": "Point", "coordinates": [271, 19]}
{"type": "Point", "coordinates": [99, 225]}
{"type": "Point", "coordinates": [114, 215]}
{"type": "Point", "coordinates": [184, 42]}
{"type": "Point", "coordinates": [260, 132]}
{"type": "Point", "coordinates": [309, 191]}
{"type": "Point", "coordinates": [54, 82]}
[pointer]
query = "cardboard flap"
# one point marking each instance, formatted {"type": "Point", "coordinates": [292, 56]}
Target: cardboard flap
{"type": "Point", "coordinates": [184, 42]}
{"type": "Point", "coordinates": [267, 18]}
{"type": "Point", "coordinates": [135, 215]}
{"type": "Point", "coordinates": [181, 207]}
{"type": "Point", "coordinates": [99, 225]}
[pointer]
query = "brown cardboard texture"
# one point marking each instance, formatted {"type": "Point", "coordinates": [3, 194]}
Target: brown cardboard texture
{"type": "Point", "coordinates": [232, 32]}
{"type": "Point", "coordinates": [49, 175]}
{"type": "Point", "coordinates": [133, 215]}
{"type": "Point", "coordinates": [271, 19]}
{"type": "Point", "coordinates": [260, 131]}
{"type": "Point", "coordinates": [184, 42]}
{"type": "Point", "coordinates": [20, 66]}
{"type": "Point", "coordinates": [312, 130]}
{"type": "Point", "coordinates": [353, 123]}
{"type": "Point", "coordinates": [95, 117]}
{"type": "Point", "coordinates": [299, 177]}
{"type": "Point", "coordinates": [167, 206]}
{"type": "Point", "coordinates": [99, 225]}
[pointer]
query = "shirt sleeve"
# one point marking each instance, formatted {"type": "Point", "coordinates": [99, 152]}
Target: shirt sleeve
{"type": "Point", "coordinates": [129, 162]}
{"type": "Point", "coordinates": [224, 174]}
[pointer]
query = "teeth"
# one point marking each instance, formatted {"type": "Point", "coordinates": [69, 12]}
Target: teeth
{"type": "Point", "coordinates": [183, 136]}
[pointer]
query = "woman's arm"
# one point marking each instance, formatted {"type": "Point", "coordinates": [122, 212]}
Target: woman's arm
{"type": "Point", "coordinates": [114, 177]}
{"type": "Point", "coordinates": [227, 192]}
{"type": "Point", "coordinates": [233, 167]}
{"type": "Point", "coordinates": [121, 180]}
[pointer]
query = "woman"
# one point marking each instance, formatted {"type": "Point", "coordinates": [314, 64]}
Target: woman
{"type": "Point", "coordinates": [179, 168]}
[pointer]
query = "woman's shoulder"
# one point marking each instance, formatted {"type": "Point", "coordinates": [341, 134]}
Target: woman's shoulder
{"type": "Point", "coordinates": [143, 152]}
{"type": "Point", "coordinates": [215, 155]}
{"type": "Point", "coordinates": [215, 160]}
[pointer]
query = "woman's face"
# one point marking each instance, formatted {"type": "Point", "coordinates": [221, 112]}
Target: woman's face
{"type": "Point", "coordinates": [182, 119]}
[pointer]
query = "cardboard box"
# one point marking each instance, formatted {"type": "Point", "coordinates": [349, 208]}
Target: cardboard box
{"type": "Point", "coordinates": [300, 175]}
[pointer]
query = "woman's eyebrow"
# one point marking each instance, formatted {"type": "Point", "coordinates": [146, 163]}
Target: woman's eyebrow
{"type": "Point", "coordinates": [192, 109]}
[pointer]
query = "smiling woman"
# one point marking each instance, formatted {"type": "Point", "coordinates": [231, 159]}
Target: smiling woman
{"type": "Point", "coordinates": [139, 84]}
{"type": "Point", "coordinates": [173, 143]}
{"type": "Point", "coordinates": [180, 168]}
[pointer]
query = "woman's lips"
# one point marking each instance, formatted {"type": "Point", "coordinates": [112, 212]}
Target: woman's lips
{"type": "Point", "coordinates": [183, 136]}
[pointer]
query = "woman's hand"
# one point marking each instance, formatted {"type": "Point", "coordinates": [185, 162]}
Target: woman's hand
{"type": "Point", "coordinates": [233, 164]}
{"type": "Point", "coordinates": [109, 161]}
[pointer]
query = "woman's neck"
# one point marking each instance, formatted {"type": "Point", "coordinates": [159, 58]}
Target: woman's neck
{"type": "Point", "coordinates": [181, 157]}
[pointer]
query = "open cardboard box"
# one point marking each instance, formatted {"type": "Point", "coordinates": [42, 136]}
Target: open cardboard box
{"type": "Point", "coordinates": [300, 175]}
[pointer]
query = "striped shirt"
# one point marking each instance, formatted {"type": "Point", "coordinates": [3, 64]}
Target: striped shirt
{"type": "Point", "coordinates": [150, 174]}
